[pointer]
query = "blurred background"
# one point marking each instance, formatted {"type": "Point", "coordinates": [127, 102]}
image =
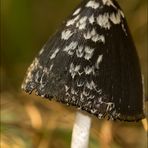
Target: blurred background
{"type": "Point", "coordinates": [27, 121]}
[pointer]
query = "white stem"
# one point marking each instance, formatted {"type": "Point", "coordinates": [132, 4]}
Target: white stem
{"type": "Point", "coordinates": [81, 129]}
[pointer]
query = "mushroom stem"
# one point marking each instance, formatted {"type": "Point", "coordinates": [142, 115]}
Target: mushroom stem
{"type": "Point", "coordinates": [81, 129]}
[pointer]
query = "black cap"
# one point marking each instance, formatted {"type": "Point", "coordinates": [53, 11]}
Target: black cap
{"type": "Point", "coordinates": [91, 63]}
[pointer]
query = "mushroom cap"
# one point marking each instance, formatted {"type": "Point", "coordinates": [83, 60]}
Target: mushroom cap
{"type": "Point", "coordinates": [91, 63]}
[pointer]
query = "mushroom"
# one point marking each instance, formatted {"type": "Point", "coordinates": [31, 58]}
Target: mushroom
{"type": "Point", "coordinates": [90, 63]}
